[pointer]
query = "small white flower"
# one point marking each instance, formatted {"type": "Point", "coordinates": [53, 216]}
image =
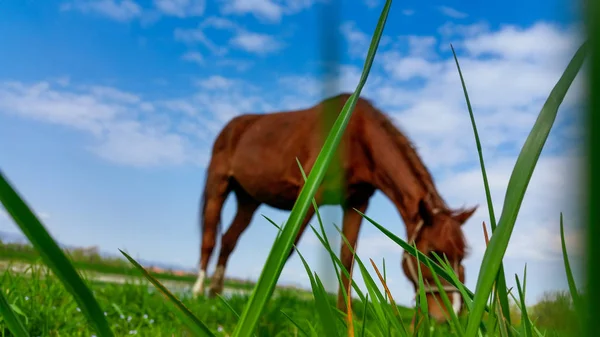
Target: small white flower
{"type": "Point", "coordinates": [78, 309]}
{"type": "Point", "coordinates": [122, 317]}
{"type": "Point", "coordinates": [151, 321]}
{"type": "Point", "coordinates": [145, 316]}
{"type": "Point", "coordinates": [26, 298]}
{"type": "Point", "coordinates": [105, 313]}
{"type": "Point", "coordinates": [220, 328]}
{"type": "Point", "coordinates": [129, 319]}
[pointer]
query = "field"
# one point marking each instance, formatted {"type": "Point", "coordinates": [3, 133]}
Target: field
{"type": "Point", "coordinates": [133, 306]}
{"type": "Point", "coordinates": [67, 305]}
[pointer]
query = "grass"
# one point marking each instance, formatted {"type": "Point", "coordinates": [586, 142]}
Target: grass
{"type": "Point", "coordinates": [94, 262]}
{"type": "Point", "coordinates": [47, 309]}
{"type": "Point", "coordinates": [488, 306]}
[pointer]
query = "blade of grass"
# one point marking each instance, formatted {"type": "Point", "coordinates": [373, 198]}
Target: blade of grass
{"type": "Point", "coordinates": [12, 321]}
{"type": "Point", "coordinates": [277, 257]}
{"type": "Point", "coordinates": [294, 322]}
{"type": "Point", "coordinates": [515, 191]}
{"type": "Point", "coordinates": [423, 307]}
{"type": "Point", "coordinates": [53, 256]}
{"type": "Point", "coordinates": [228, 306]}
{"type": "Point", "coordinates": [325, 241]}
{"type": "Point", "coordinates": [178, 308]}
{"type": "Point", "coordinates": [364, 320]}
{"type": "Point", "coordinates": [496, 318]}
{"type": "Point", "coordinates": [378, 304]}
{"type": "Point", "coordinates": [524, 316]}
{"type": "Point", "coordinates": [570, 279]}
{"type": "Point", "coordinates": [500, 290]}
{"type": "Point", "coordinates": [453, 318]}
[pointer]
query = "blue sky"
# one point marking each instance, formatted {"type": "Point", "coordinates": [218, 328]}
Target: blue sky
{"type": "Point", "coordinates": [108, 110]}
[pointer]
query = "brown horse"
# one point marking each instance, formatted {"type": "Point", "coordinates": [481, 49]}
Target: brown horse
{"type": "Point", "coordinates": [255, 157]}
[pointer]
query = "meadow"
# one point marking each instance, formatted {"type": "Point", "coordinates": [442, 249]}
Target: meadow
{"type": "Point", "coordinates": [72, 307]}
{"type": "Point", "coordinates": [136, 308]}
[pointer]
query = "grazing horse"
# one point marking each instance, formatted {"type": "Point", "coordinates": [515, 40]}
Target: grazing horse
{"type": "Point", "coordinates": [254, 156]}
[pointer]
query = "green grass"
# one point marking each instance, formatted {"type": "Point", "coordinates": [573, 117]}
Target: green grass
{"type": "Point", "coordinates": [94, 262]}
{"type": "Point", "coordinates": [489, 311]}
{"type": "Point", "coordinates": [47, 309]}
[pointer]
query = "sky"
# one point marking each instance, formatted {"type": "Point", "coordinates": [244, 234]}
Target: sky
{"type": "Point", "coordinates": [109, 108]}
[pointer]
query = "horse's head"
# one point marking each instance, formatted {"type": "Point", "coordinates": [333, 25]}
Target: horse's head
{"type": "Point", "coordinates": [438, 230]}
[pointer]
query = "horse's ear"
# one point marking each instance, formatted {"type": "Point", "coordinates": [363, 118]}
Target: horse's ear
{"type": "Point", "coordinates": [464, 215]}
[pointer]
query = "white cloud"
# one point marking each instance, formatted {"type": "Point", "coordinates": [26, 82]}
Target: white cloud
{"type": "Point", "coordinates": [372, 3]}
{"type": "Point", "coordinates": [120, 10]}
{"type": "Point", "coordinates": [262, 9]}
{"type": "Point", "coordinates": [181, 8]}
{"type": "Point", "coordinates": [216, 82]}
{"type": "Point", "coordinates": [450, 29]}
{"type": "Point", "coordinates": [408, 67]}
{"type": "Point", "coordinates": [517, 43]}
{"type": "Point", "coordinates": [193, 56]}
{"type": "Point", "coordinates": [357, 40]}
{"type": "Point", "coordinates": [106, 113]}
{"type": "Point", "coordinates": [451, 12]}
{"type": "Point", "coordinates": [252, 42]}
{"type": "Point", "coordinates": [197, 35]}
{"type": "Point", "coordinates": [408, 12]}
{"type": "Point", "coordinates": [256, 43]}
{"type": "Point", "coordinates": [265, 10]}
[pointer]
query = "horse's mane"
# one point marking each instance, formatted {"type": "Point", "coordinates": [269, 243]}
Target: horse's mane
{"type": "Point", "coordinates": [408, 149]}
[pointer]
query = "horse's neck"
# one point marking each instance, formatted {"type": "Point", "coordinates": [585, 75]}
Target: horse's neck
{"type": "Point", "coordinates": [401, 180]}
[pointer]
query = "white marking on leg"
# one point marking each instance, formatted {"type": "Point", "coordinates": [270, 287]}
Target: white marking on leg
{"type": "Point", "coordinates": [456, 302]}
{"type": "Point", "coordinates": [199, 285]}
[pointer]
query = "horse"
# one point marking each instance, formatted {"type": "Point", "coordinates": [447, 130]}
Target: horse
{"type": "Point", "coordinates": [255, 157]}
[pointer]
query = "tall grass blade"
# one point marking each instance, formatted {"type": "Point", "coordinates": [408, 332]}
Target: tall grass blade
{"type": "Point", "coordinates": [178, 308]}
{"type": "Point", "coordinates": [524, 316]}
{"type": "Point", "coordinates": [500, 289]}
{"type": "Point", "coordinates": [277, 257]}
{"type": "Point", "coordinates": [11, 319]}
{"type": "Point", "coordinates": [295, 323]}
{"type": "Point", "coordinates": [515, 191]}
{"type": "Point", "coordinates": [53, 256]}
{"type": "Point", "coordinates": [453, 318]}
{"type": "Point", "coordinates": [570, 279]}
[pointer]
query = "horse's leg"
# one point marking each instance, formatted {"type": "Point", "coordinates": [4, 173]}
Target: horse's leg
{"type": "Point", "coordinates": [350, 229]}
{"type": "Point", "coordinates": [216, 190]}
{"type": "Point", "coordinates": [246, 206]}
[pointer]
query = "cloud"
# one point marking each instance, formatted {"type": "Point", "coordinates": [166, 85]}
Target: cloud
{"type": "Point", "coordinates": [372, 3]}
{"type": "Point", "coordinates": [181, 8]}
{"type": "Point", "coordinates": [262, 9]}
{"type": "Point", "coordinates": [516, 43]}
{"type": "Point", "coordinates": [252, 42]}
{"type": "Point", "coordinates": [267, 11]}
{"type": "Point", "coordinates": [357, 40]}
{"type": "Point", "coordinates": [108, 114]}
{"type": "Point", "coordinates": [120, 10]}
{"type": "Point", "coordinates": [193, 56]}
{"type": "Point", "coordinates": [216, 82]}
{"type": "Point", "coordinates": [408, 12]}
{"type": "Point", "coordinates": [451, 12]}
{"type": "Point", "coordinates": [197, 35]}
{"type": "Point", "coordinates": [256, 43]}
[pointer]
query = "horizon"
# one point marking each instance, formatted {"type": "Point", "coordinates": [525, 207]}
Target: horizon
{"type": "Point", "coordinates": [106, 133]}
